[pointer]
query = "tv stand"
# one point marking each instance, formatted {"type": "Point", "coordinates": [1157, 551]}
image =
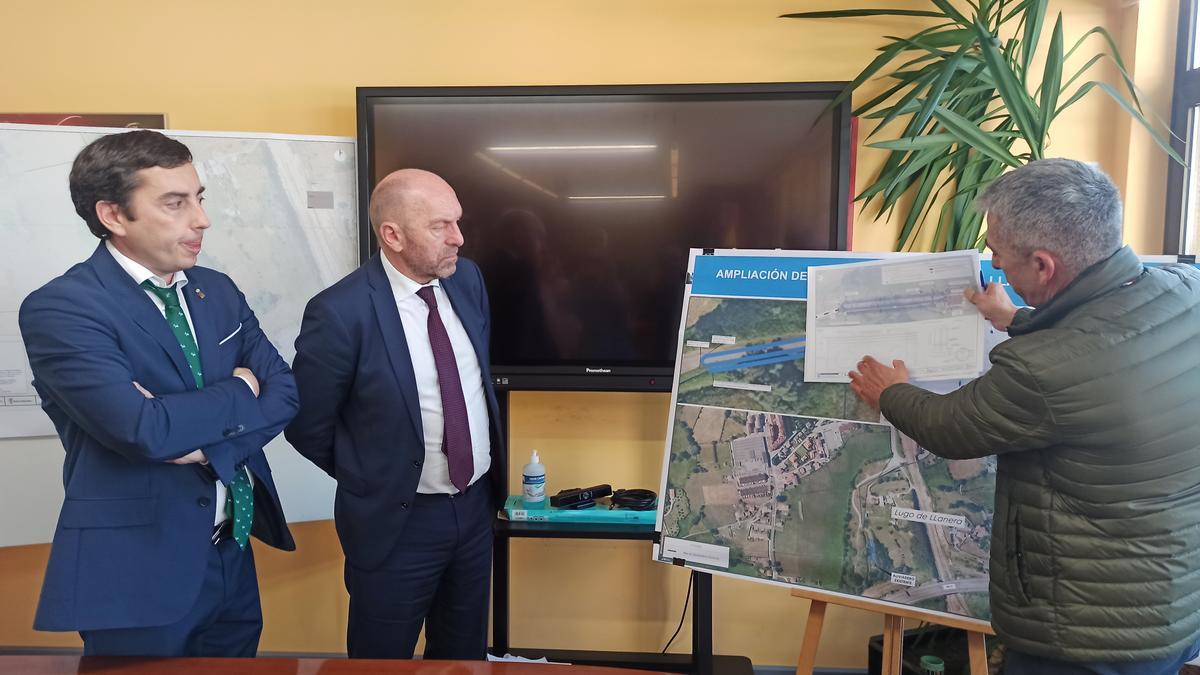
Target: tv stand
{"type": "Point", "coordinates": [701, 661]}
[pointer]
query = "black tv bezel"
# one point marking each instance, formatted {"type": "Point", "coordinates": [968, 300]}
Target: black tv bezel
{"type": "Point", "coordinates": [601, 376]}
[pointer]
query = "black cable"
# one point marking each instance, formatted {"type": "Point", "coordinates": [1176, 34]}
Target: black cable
{"type": "Point", "coordinates": [635, 500]}
{"type": "Point", "coordinates": [683, 614]}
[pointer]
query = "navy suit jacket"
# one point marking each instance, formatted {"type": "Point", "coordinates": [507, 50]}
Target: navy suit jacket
{"type": "Point", "coordinates": [134, 533]}
{"type": "Point", "coordinates": [360, 418]}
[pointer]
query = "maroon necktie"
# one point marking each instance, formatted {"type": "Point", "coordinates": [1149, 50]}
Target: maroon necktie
{"type": "Point", "coordinates": [456, 442]}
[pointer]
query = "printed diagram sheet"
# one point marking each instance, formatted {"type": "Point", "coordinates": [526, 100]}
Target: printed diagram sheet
{"type": "Point", "coordinates": [911, 309]}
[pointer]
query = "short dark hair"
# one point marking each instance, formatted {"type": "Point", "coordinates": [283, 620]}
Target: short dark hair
{"type": "Point", "coordinates": [1064, 206]}
{"type": "Point", "coordinates": [106, 170]}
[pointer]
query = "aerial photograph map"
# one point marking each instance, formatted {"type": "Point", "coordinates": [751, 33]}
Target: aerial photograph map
{"type": "Point", "coordinates": [800, 483]}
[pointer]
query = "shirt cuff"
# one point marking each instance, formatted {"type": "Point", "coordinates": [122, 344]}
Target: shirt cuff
{"type": "Point", "coordinates": [243, 378]}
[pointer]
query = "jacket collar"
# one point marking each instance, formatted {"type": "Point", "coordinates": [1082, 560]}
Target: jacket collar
{"type": "Point", "coordinates": [133, 300]}
{"type": "Point", "coordinates": [1119, 269]}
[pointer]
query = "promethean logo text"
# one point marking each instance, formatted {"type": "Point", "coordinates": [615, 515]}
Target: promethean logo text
{"type": "Point", "coordinates": [597, 370]}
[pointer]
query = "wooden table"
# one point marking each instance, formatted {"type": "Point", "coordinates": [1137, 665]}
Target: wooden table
{"type": "Point", "coordinates": [108, 665]}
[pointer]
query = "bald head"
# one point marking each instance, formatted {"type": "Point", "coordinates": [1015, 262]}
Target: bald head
{"type": "Point", "coordinates": [415, 215]}
{"type": "Point", "coordinates": [401, 192]}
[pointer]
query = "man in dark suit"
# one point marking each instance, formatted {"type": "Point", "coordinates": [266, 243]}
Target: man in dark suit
{"type": "Point", "coordinates": [396, 403]}
{"type": "Point", "coordinates": [164, 390]}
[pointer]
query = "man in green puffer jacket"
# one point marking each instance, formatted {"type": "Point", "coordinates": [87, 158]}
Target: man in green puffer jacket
{"type": "Point", "coordinates": [1093, 408]}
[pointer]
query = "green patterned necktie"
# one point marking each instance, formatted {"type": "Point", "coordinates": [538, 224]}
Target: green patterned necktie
{"type": "Point", "coordinates": [179, 326]}
{"type": "Point", "coordinates": [239, 496]}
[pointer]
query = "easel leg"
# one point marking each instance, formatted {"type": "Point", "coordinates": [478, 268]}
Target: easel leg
{"type": "Point", "coordinates": [812, 637]}
{"type": "Point", "coordinates": [975, 647]}
{"type": "Point", "coordinates": [893, 644]}
{"type": "Point", "coordinates": [893, 630]}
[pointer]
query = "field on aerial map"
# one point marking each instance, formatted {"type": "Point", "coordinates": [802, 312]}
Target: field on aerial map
{"type": "Point", "coordinates": [749, 354]}
{"type": "Point", "coordinates": [832, 504]}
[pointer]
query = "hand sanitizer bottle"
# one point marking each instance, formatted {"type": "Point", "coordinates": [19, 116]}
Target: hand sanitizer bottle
{"type": "Point", "coordinates": [534, 480]}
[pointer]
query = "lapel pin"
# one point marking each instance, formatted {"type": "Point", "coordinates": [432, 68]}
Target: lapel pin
{"type": "Point", "coordinates": [199, 293]}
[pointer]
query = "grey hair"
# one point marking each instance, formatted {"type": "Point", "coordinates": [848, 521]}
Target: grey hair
{"type": "Point", "coordinates": [1063, 206]}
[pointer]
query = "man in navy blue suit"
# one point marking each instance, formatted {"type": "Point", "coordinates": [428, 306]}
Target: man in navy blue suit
{"type": "Point", "coordinates": [164, 390]}
{"type": "Point", "coordinates": [396, 403]}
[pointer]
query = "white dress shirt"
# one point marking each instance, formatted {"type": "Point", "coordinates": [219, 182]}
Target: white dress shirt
{"type": "Point", "coordinates": [414, 315]}
{"type": "Point", "coordinates": [140, 274]}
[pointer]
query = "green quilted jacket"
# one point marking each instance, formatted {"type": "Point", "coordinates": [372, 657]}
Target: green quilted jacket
{"type": "Point", "coordinates": [1093, 408]}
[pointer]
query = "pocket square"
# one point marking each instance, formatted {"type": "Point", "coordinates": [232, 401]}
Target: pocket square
{"type": "Point", "coordinates": [235, 332]}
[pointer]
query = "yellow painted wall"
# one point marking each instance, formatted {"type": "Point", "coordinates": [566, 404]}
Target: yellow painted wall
{"type": "Point", "coordinates": [292, 66]}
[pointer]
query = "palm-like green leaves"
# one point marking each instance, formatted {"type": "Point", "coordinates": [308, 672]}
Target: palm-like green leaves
{"type": "Point", "coordinates": [964, 89]}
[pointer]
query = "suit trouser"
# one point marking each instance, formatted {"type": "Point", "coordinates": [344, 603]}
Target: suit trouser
{"type": "Point", "coordinates": [226, 619]}
{"type": "Point", "coordinates": [438, 574]}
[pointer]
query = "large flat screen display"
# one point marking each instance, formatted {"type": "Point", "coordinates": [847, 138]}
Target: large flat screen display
{"type": "Point", "coordinates": [580, 204]}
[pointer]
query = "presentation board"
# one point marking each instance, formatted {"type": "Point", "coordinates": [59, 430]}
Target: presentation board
{"type": "Point", "coordinates": [774, 479]}
{"type": "Point", "coordinates": [284, 226]}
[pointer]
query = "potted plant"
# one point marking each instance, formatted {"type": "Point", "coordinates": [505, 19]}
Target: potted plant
{"type": "Point", "coordinates": [971, 104]}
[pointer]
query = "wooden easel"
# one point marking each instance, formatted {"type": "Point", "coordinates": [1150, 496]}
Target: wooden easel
{"type": "Point", "coordinates": [893, 630]}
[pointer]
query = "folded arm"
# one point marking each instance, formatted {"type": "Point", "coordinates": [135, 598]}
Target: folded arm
{"type": "Point", "coordinates": [277, 397]}
{"type": "Point", "coordinates": [78, 362]}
